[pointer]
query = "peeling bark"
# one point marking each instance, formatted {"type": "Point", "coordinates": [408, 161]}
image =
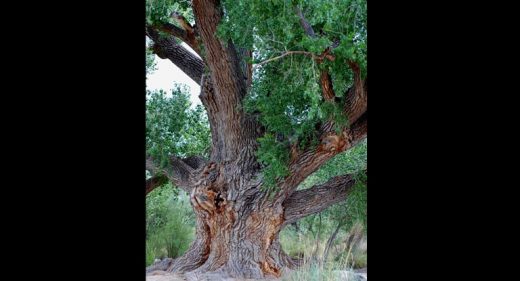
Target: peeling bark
{"type": "Point", "coordinates": [356, 101]}
{"type": "Point", "coordinates": [326, 86]}
{"type": "Point", "coordinates": [237, 228]}
{"type": "Point", "coordinates": [237, 224]}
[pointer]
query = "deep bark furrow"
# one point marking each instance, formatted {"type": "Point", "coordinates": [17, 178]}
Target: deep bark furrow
{"type": "Point", "coordinates": [308, 161]}
{"type": "Point", "coordinates": [327, 89]}
{"type": "Point", "coordinates": [311, 160]}
{"type": "Point", "coordinates": [228, 83]}
{"type": "Point", "coordinates": [356, 96]}
{"type": "Point", "coordinates": [359, 129]}
{"type": "Point", "coordinates": [238, 226]}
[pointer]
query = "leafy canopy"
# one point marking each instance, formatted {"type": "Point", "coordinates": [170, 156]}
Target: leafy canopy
{"type": "Point", "coordinates": [173, 128]}
{"type": "Point", "coordinates": [286, 93]}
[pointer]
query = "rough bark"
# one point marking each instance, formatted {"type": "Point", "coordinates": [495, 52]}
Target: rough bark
{"type": "Point", "coordinates": [326, 86]}
{"type": "Point", "coordinates": [166, 47]}
{"type": "Point", "coordinates": [236, 132]}
{"type": "Point", "coordinates": [237, 228]}
{"type": "Point", "coordinates": [305, 24]}
{"type": "Point", "coordinates": [307, 162]}
{"type": "Point", "coordinates": [179, 172]}
{"type": "Point", "coordinates": [313, 200]}
{"type": "Point", "coordinates": [189, 35]}
{"type": "Point", "coordinates": [237, 224]}
{"type": "Point", "coordinates": [356, 101]}
{"type": "Point", "coordinates": [155, 182]}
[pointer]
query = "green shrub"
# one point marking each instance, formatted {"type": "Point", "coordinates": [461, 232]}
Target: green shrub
{"type": "Point", "coordinates": [169, 224]}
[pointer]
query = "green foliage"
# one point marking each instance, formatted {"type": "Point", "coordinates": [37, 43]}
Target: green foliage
{"type": "Point", "coordinates": [335, 112]}
{"type": "Point", "coordinates": [160, 10]}
{"type": "Point", "coordinates": [151, 64]}
{"type": "Point", "coordinates": [286, 92]}
{"type": "Point", "coordinates": [169, 223]}
{"type": "Point", "coordinates": [287, 98]}
{"type": "Point", "coordinates": [157, 207]}
{"type": "Point", "coordinates": [348, 251]}
{"type": "Point", "coordinates": [350, 214]}
{"type": "Point", "coordinates": [351, 161]}
{"type": "Point", "coordinates": [276, 157]}
{"type": "Point", "coordinates": [173, 128]}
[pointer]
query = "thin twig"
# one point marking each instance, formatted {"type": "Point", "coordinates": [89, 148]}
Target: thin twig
{"type": "Point", "coordinates": [284, 55]}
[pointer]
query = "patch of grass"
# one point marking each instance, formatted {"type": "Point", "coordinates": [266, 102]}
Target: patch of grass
{"type": "Point", "coordinates": [349, 251]}
{"type": "Point", "coordinates": [352, 249]}
{"type": "Point", "coordinates": [170, 228]}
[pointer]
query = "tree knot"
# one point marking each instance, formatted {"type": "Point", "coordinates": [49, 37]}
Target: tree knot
{"type": "Point", "coordinates": [334, 143]}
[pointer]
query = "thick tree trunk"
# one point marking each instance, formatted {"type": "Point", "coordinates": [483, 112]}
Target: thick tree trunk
{"type": "Point", "coordinates": [237, 227]}
{"type": "Point", "coordinates": [238, 224]}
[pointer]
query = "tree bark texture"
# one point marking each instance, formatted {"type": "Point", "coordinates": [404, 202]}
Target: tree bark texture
{"type": "Point", "coordinates": [238, 224]}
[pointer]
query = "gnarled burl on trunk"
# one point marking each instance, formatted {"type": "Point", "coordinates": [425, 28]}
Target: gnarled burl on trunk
{"type": "Point", "coordinates": [237, 223]}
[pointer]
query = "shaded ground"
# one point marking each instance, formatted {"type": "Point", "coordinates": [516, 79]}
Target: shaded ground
{"type": "Point", "coordinates": [205, 277]}
{"type": "Point", "coordinates": [169, 277]}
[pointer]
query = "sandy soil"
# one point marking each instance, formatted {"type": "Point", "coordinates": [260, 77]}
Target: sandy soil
{"type": "Point", "coordinates": [213, 277]}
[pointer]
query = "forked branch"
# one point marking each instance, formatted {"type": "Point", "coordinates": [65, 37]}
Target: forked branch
{"type": "Point", "coordinates": [178, 171]}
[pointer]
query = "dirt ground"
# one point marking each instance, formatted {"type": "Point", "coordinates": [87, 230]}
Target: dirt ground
{"type": "Point", "coordinates": [342, 276]}
{"type": "Point", "coordinates": [205, 277]}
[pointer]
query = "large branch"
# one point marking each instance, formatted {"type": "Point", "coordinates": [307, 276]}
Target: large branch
{"type": "Point", "coordinates": [325, 80]}
{"type": "Point", "coordinates": [187, 36]}
{"type": "Point", "coordinates": [246, 66]}
{"type": "Point", "coordinates": [313, 200]}
{"type": "Point", "coordinates": [356, 97]}
{"type": "Point", "coordinates": [312, 159]}
{"type": "Point", "coordinates": [234, 134]}
{"type": "Point", "coordinates": [167, 48]}
{"type": "Point", "coordinates": [308, 161]}
{"type": "Point", "coordinates": [327, 90]}
{"type": "Point", "coordinates": [172, 29]}
{"type": "Point", "coordinates": [179, 172]}
{"type": "Point", "coordinates": [305, 24]}
{"type": "Point", "coordinates": [155, 182]}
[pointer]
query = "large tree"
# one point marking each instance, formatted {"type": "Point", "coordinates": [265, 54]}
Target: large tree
{"type": "Point", "coordinates": [284, 87]}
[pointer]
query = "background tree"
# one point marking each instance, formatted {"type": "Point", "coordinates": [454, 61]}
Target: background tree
{"type": "Point", "coordinates": [284, 87]}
